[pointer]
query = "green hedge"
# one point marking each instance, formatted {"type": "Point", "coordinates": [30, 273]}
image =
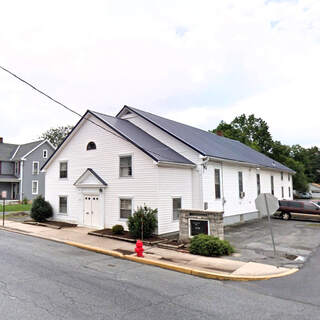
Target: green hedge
{"type": "Point", "coordinates": [210, 246]}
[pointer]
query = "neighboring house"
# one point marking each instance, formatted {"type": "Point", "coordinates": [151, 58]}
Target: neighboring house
{"type": "Point", "coordinates": [98, 177]}
{"type": "Point", "coordinates": [20, 167]}
{"type": "Point", "coordinates": [315, 190]}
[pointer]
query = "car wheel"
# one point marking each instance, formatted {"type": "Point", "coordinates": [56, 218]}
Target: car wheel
{"type": "Point", "coordinates": [286, 216]}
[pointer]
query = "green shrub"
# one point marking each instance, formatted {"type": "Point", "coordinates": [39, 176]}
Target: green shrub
{"type": "Point", "coordinates": [149, 218]}
{"type": "Point", "coordinates": [117, 229]}
{"type": "Point", "coordinates": [41, 209]}
{"type": "Point", "coordinates": [210, 246]}
{"type": "Point", "coordinates": [25, 200]}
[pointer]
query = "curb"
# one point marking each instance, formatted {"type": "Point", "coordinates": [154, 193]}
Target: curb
{"type": "Point", "coordinates": [163, 265]}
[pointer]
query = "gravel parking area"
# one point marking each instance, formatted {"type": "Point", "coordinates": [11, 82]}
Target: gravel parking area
{"type": "Point", "coordinates": [295, 240]}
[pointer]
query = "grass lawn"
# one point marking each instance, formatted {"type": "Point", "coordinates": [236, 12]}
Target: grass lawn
{"type": "Point", "coordinates": [16, 207]}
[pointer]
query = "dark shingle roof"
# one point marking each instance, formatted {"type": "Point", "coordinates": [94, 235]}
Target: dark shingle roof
{"type": "Point", "coordinates": [153, 147]}
{"type": "Point", "coordinates": [7, 150]}
{"type": "Point", "coordinates": [209, 144]}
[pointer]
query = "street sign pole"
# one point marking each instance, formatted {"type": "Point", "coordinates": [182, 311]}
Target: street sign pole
{"type": "Point", "coordinates": [270, 225]}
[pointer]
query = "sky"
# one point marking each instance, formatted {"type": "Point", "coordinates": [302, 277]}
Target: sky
{"type": "Point", "coordinates": [197, 62]}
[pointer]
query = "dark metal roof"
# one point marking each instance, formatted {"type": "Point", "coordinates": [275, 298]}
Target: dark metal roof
{"type": "Point", "coordinates": [209, 144]}
{"type": "Point", "coordinates": [148, 144]}
{"type": "Point", "coordinates": [97, 176]}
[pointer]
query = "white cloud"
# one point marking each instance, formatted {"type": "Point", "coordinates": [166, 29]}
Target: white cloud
{"type": "Point", "coordinates": [198, 61]}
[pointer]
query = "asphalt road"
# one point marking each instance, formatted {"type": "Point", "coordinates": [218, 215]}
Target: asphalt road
{"type": "Point", "coordinates": [41, 279]}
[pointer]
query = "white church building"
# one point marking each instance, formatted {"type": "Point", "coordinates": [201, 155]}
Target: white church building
{"type": "Point", "coordinates": [107, 166]}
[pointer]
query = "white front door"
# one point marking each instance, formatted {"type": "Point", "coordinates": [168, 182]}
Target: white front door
{"type": "Point", "coordinates": [91, 211]}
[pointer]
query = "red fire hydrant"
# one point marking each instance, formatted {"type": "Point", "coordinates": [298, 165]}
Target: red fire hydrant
{"type": "Point", "coordinates": [139, 248]}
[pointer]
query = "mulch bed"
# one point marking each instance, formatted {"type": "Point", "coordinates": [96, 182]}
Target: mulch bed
{"type": "Point", "coordinates": [52, 224]}
{"type": "Point", "coordinates": [171, 244]}
{"type": "Point", "coordinates": [126, 236]}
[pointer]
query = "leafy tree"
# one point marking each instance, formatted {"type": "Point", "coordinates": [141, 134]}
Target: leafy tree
{"type": "Point", "coordinates": [56, 135]}
{"type": "Point", "coordinates": [249, 130]}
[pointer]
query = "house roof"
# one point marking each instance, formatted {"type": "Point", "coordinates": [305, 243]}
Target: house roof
{"type": "Point", "coordinates": [209, 144]}
{"type": "Point", "coordinates": [94, 174]}
{"type": "Point", "coordinates": [13, 152]}
{"type": "Point", "coordinates": [153, 147]}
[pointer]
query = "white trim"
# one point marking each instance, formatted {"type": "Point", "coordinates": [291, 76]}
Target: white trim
{"type": "Point", "coordinates": [37, 187]}
{"type": "Point", "coordinates": [119, 202]}
{"type": "Point", "coordinates": [33, 172]}
{"type": "Point", "coordinates": [63, 213]}
{"type": "Point", "coordinates": [39, 145]}
{"type": "Point", "coordinates": [174, 164]}
{"type": "Point", "coordinates": [21, 178]}
{"type": "Point", "coordinates": [15, 151]}
{"type": "Point", "coordinates": [126, 155]}
{"type": "Point", "coordinates": [45, 151]}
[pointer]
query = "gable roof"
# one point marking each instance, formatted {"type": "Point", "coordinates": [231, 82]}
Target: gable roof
{"type": "Point", "coordinates": [142, 140]}
{"type": "Point", "coordinates": [209, 144]}
{"type": "Point", "coordinates": [89, 170]}
{"type": "Point", "coordinates": [14, 152]}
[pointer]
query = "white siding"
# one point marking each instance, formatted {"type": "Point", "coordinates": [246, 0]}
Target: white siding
{"type": "Point", "coordinates": [178, 146]}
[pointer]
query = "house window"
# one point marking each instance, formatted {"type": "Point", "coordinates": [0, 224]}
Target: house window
{"type": "Point", "coordinates": [258, 184]}
{"type": "Point", "coordinates": [282, 192]}
{"type": "Point", "coordinates": [272, 185]}
{"type": "Point", "coordinates": [289, 191]}
{"type": "Point", "coordinates": [126, 166]}
{"type": "Point", "coordinates": [217, 183]}
{"type": "Point", "coordinates": [91, 146]}
{"type": "Point", "coordinates": [16, 168]}
{"type": "Point", "coordinates": [64, 169]}
{"type": "Point", "coordinates": [35, 187]}
{"type": "Point", "coordinates": [176, 205]}
{"type": "Point", "coordinates": [281, 176]}
{"type": "Point", "coordinates": [125, 208]}
{"type": "Point", "coordinates": [63, 204]}
{"type": "Point", "coordinates": [240, 180]}
{"type": "Point", "coordinates": [45, 154]}
{"type": "Point", "coordinates": [35, 167]}
{"type": "Point", "coordinates": [289, 177]}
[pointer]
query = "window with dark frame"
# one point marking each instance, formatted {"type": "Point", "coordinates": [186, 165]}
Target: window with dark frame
{"type": "Point", "coordinates": [126, 166]}
{"type": "Point", "coordinates": [63, 169]}
{"type": "Point", "coordinates": [282, 192]}
{"type": "Point", "coordinates": [289, 177]}
{"type": "Point", "coordinates": [240, 180]}
{"type": "Point", "coordinates": [281, 176]}
{"type": "Point", "coordinates": [125, 208]}
{"type": "Point", "coordinates": [91, 146]}
{"type": "Point", "coordinates": [176, 205]}
{"type": "Point", "coordinates": [289, 191]}
{"type": "Point", "coordinates": [272, 185]}
{"type": "Point", "coordinates": [258, 184]}
{"type": "Point", "coordinates": [63, 204]}
{"type": "Point", "coordinates": [217, 183]}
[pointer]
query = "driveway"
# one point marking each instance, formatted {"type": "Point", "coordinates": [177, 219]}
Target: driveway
{"type": "Point", "coordinates": [295, 240]}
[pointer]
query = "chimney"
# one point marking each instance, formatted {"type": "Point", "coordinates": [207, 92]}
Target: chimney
{"type": "Point", "coordinates": [1, 140]}
{"type": "Point", "coordinates": [219, 133]}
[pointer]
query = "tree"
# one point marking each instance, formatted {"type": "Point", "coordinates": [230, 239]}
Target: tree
{"type": "Point", "coordinates": [250, 130]}
{"type": "Point", "coordinates": [56, 135]}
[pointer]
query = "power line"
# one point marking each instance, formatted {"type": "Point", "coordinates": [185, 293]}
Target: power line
{"type": "Point", "coordinates": [66, 107]}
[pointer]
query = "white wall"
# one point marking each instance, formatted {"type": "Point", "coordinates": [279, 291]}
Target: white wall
{"type": "Point", "coordinates": [173, 143]}
{"type": "Point", "coordinates": [150, 184]}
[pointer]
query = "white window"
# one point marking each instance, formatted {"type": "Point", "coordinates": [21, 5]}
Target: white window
{"type": "Point", "coordinates": [125, 208]}
{"type": "Point", "coordinates": [63, 204]}
{"type": "Point", "coordinates": [240, 182]}
{"type": "Point", "coordinates": [289, 176]}
{"type": "Point", "coordinates": [281, 176]}
{"type": "Point", "coordinates": [217, 183]}
{"type": "Point", "coordinates": [258, 184]}
{"type": "Point", "coordinates": [282, 192]}
{"type": "Point", "coordinates": [176, 205]}
{"type": "Point", "coordinates": [45, 154]}
{"type": "Point", "coordinates": [63, 169]}
{"type": "Point", "coordinates": [35, 167]}
{"type": "Point", "coordinates": [126, 166]}
{"type": "Point", "coordinates": [35, 186]}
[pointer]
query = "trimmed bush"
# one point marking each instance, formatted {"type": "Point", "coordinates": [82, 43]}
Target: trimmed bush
{"type": "Point", "coordinates": [117, 229]}
{"type": "Point", "coordinates": [210, 246]}
{"type": "Point", "coordinates": [150, 222]}
{"type": "Point", "coordinates": [41, 209]}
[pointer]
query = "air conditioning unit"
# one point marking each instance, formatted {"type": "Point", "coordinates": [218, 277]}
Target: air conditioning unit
{"type": "Point", "coordinates": [242, 194]}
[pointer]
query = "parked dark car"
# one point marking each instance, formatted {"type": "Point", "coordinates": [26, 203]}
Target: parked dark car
{"type": "Point", "coordinates": [287, 207]}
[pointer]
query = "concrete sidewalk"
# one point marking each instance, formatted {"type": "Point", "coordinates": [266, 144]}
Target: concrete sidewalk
{"type": "Point", "coordinates": [208, 267]}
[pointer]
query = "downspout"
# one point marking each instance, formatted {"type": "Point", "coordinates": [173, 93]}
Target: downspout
{"type": "Point", "coordinates": [21, 179]}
